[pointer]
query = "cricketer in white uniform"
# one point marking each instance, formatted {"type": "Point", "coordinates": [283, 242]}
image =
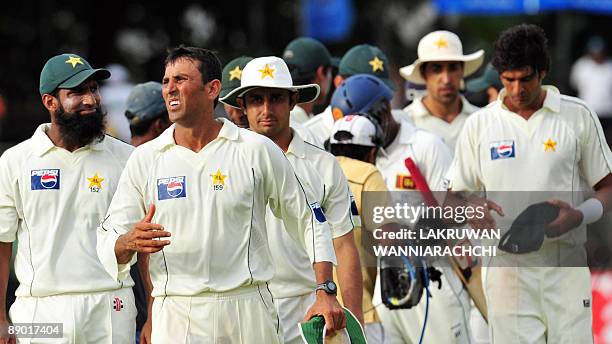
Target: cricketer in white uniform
{"type": "Point", "coordinates": [354, 141]}
{"type": "Point", "coordinates": [535, 139]}
{"type": "Point", "coordinates": [54, 189]}
{"type": "Point", "coordinates": [209, 183]}
{"type": "Point", "coordinates": [449, 308]}
{"type": "Point", "coordinates": [449, 314]}
{"type": "Point", "coordinates": [267, 103]}
{"type": "Point", "coordinates": [441, 67]}
{"type": "Point", "coordinates": [442, 110]}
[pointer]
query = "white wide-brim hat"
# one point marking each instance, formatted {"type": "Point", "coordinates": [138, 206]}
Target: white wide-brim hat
{"type": "Point", "coordinates": [441, 46]}
{"type": "Point", "coordinates": [271, 72]}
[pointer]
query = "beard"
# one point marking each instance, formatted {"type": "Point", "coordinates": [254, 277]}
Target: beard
{"type": "Point", "coordinates": [78, 130]}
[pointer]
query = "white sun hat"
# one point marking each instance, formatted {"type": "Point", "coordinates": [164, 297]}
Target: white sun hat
{"type": "Point", "coordinates": [272, 72]}
{"type": "Point", "coordinates": [441, 46]}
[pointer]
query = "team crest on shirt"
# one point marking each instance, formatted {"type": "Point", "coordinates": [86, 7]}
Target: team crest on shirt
{"type": "Point", "coordinates": [404, 181]}
{"type": "Point", "coordinates": [550, 145]}
{"type": "Point", "coordinates": [218, 180]}
{"type": "Point", "coordinates": [171, 187]}
{"type": "Point", "coordinates": [47, 179]}
{"type": "Point", "coordinates": [95, 183]}
{"type": "Point", "coordinates": [318, 212]}
{"type": "Point", "coordinates": [502, 149]}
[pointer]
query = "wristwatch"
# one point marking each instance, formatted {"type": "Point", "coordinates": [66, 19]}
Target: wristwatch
{"type": "Point", "coordinates": [328, 286]}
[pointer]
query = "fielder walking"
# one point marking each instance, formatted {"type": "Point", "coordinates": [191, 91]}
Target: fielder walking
{"type": "Point", "coordinates": [206, 184]}
{"type": "Point", "coordinates": [535, 139]}
{"type": "Point", "coordinates": [267, 103]}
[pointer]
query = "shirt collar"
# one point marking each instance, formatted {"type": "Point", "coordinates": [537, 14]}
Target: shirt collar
{"type": "Point", "coordinates": [297, 146]}
{"type": "Point", "coordinates": [228, 131]}
{"type": "Point", "coordinates": [552, 101]}
{"type": "Point", "coordinates": [43, 143]}
{"type": "Point", "coordinates": [419, 109]}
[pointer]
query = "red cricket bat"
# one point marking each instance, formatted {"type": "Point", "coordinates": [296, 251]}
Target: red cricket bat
{"type": "Point", "coordinates": [470, 276]}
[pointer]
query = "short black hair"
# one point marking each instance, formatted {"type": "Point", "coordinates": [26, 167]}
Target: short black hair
{"type": "Point", "coordinates": [521, 46]}
{"type": "Point", "coordinates": [210, 66]}
{"type": "Point", "coordinates": [141, 128]}
{"type": "Point", "coordinates": [357, 152]}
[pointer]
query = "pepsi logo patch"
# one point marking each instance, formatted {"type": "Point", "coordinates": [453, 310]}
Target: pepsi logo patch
{"type": "Point", "coordinates": [47, 179]}
{"type": "Point", "coordinates": [171, 187]}
{"type": "Point", "coordinates": [502, 149]}
{"type": "Point", "coordinates": [318, 212]}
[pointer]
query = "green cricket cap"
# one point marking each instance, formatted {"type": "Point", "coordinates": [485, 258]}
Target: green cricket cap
{"type": "Point", "coordinates": [232, 74]}
{"type": "Point", "coordinates": [304, 55]}
{"type": "Point", "coordinates": [366, 59]}
{"type": "Point", "coordinates": [68, 71]}
{"type": "Point", "coordinates": [145, 102]}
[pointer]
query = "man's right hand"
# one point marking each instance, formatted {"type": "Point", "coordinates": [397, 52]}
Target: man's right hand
{"type": "Point", "coordinates": [144, 237]}
{"type": "Point", "coordinates": [145, 332]}
{"type": "Point", "coordinates": [487, 222]}
{"type": "Point", "coordinates": [5, 337]}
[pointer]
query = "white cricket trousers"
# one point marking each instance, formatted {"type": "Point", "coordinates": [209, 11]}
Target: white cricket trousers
{"type": "Point", "coordinates": [107, 317]}
{"type": "Point", "coordinates": [242, 315]}
{"type": "Point", "coordinates": [536, 304]}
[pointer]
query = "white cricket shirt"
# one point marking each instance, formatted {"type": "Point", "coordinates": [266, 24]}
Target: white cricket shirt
{"type": "Point", "coordinates": [305, 133]}
{"type": "Point", "coordinates": [321, 125]}
{"type": "Point", "coordinates": [561, 147]}
{"type": "Point", "coordinates": [52, 200]}
{"type": "Point", "coordinates": [299, 115]}
{"type": "Point", "coordinates": [448, 132]}
{"type": "Point", "coordinates": [324, 183]}
{"type": "Point", "coordinates": [214, 204]}
{"type": "Point", "coordinates": [428, 152]}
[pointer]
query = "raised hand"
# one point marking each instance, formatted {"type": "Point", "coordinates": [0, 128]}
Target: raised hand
{"type": "Point", "coordinates": [144, 237]}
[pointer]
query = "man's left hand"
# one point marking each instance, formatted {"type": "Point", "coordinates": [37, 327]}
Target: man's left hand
{"type": "Point", "coordinates": [329, 308]}
{"type": "Point", "coordinates": [568, 219]}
